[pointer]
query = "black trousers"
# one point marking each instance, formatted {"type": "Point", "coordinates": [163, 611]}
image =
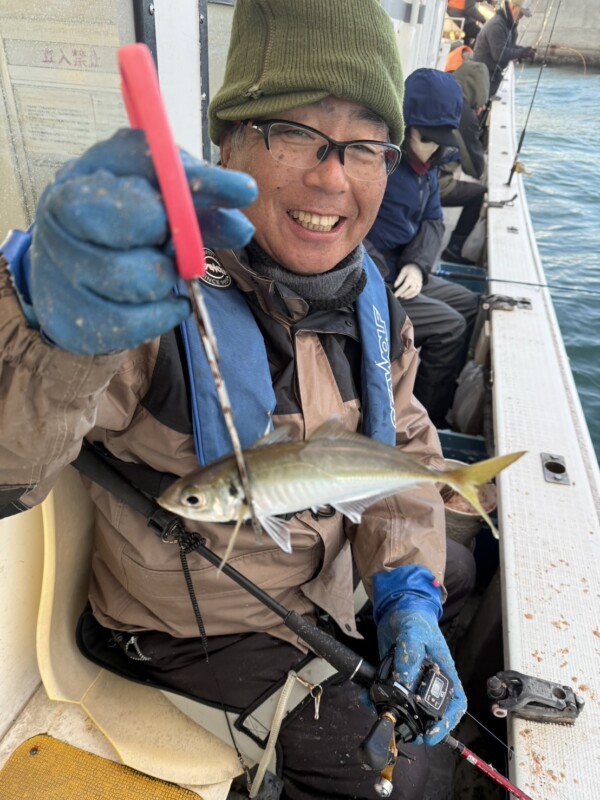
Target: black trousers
{"type": "Point", "coordinates": [470, 196]}
{"type": "Point", "coordinates": [443, 316]}
{"type": "Point", "coordinates": [319, 757]}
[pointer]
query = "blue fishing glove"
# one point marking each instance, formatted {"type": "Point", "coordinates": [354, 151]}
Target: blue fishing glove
{"type": "Point", "coordinates": [406, 608]}
{"type": "Point", "coordinates": [101, 264]}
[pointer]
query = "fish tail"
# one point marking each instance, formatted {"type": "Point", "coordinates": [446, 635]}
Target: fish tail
{"type": "Point", "coordinates": [466, 480]}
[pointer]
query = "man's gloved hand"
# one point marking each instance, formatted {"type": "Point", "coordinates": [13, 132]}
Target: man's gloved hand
{"type": "Point", "coordinates": [102, 268]}
{"type": "Point", "coordinates": [409, 282]}
{"type": "Point", "coordinates": [407, 606]}
{"type": "Point", "coordinates": [529, 54]}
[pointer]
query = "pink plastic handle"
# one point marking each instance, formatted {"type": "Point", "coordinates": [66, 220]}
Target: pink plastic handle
{"type": "Point", "coordinates": [145, 108]}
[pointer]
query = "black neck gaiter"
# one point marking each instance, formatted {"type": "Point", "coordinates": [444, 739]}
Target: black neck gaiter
{"type": "Point", "coordinates": [336, 288]}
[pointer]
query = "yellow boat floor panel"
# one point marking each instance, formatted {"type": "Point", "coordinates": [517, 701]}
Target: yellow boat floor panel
{"type": "Point", "coordinates": [43, 768]}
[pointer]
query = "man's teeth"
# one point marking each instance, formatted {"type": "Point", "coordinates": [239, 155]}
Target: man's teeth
{"type": "Point", "coordinates": [314, 222]}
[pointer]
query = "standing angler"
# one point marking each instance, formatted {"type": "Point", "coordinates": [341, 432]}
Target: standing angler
{"type": "Point", "coordinates": [496, 45]}
{"type": "Point", "coordinates": [96, 345]}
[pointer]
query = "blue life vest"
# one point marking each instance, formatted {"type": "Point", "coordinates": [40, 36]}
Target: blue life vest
{"type": "Point", "coordinates": [15, 250]}
{"type": "Point", "coordinates": [241, 344]}
{"type": "Point", "coordinates": [245, 368]}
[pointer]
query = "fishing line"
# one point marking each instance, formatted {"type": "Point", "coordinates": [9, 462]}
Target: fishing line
{"type": "Point", "coordinates": [522, 137]}
{"type": "Point", "coordinates": [577, 52]}
{"type": "Point", "coordinates": [547, 14]}
{"type": "Point", "coordinates": [491, 733]}
{"type": "Point", "coordinates": [445, 273]}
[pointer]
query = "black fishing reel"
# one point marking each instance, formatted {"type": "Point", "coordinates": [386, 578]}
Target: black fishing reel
{"type": "Point", "coordinates": [403, 715]}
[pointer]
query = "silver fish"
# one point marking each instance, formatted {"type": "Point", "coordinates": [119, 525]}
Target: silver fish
{"type": "Point", "coordinates": [334, 467]}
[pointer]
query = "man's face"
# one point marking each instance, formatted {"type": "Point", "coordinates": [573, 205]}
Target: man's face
{"type": "Point", "coordinates": [293, 202]}
{"type": "Point", "coordinates": [517, 12]}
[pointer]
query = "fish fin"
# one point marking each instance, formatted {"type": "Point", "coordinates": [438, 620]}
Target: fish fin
{"type": "Point", "coordinates": [353, 509]}
{"type": "Point", "coordinates": [466, 480]}
{"type": "Point", "coordinates": [270, 427]}
{"type": "Point", "coordinates": [333, 429]}
{"type": "Point", "coordinates": [278, 531]}
{"type": "Point", "coordinates": [241, 514]}
{"type": "Point", "coordinates": [281, 434]}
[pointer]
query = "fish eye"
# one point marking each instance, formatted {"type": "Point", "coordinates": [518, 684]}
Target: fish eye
{"type": "Point", "coordinates": [194, 500]}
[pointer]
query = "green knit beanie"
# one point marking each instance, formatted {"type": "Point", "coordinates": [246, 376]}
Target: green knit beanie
{"type": "Point", "coordinates": [288, 53]}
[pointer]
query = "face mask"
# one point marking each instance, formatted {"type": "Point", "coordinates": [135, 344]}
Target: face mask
{"type": "Point", "coordinates": [422, 150]}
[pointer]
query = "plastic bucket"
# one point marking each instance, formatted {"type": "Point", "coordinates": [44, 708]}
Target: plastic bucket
{"type": "Point", "coordinates": [462, 521]}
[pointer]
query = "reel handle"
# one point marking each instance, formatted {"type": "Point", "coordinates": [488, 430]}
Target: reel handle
{"type": "Point", "coordinates": [378, 749]}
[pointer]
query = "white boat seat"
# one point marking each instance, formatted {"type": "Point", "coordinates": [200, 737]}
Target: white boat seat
{"type": "Point", "coordinates": [145, 729]}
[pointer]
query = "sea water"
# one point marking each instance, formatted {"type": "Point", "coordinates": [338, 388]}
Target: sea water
{"type": "Point", "coordinates": [561, 149]}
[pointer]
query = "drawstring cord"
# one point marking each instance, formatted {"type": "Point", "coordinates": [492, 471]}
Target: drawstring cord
{"type": "Point", "coordinates": [316, 690]}
{"type": "Point", "coordinates": [188, 543]}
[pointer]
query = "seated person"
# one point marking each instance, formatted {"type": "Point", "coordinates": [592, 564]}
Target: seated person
{"type": "Point", "coordinates": [95, 345]}
{"type": "Point", "coordinates": [457, 57]}
{"type": "Point", "coordinates": [408, 232]}
{"type": "Point", "coordinates": [474, 81]}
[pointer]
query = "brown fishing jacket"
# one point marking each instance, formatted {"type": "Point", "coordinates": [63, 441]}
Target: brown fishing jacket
{"type": "Point", "coordinates": [135, 404]}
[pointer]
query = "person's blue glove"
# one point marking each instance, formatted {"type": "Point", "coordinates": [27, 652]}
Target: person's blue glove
{"type": "Point", "coordinates": [406, 608]}
{"type": "Point", "coordinates": [101, 264]}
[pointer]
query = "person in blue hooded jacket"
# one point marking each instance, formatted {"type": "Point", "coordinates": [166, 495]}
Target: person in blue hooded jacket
{"type": "Point", "coordinates": [408, 233]}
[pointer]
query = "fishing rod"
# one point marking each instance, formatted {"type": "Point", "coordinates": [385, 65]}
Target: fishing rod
{"type": "Point", "coordinates": [522, 137]}
{"type": "Point", "coordinates": [403, 714]}
{"type": "Point", "coordinates": [443, 272]}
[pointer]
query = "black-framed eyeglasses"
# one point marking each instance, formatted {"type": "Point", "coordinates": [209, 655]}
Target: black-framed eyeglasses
{"type": "Point", "coordinates": [303, 147]}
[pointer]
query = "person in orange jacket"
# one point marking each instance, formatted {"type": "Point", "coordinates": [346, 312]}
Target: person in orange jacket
{"type": "Point", "coordinates": [469, 11]}
{"type": "Point", "coordinates": [457, 57]}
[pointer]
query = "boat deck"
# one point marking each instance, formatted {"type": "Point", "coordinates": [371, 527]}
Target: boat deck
{"type": "Point", "coordinates": [549, 519]}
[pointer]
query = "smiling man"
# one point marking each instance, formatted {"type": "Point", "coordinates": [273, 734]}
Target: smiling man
{"type": "Point", "coordinates": [311, 109]}
{"type": "Point", "coordinates": [310, 218]}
